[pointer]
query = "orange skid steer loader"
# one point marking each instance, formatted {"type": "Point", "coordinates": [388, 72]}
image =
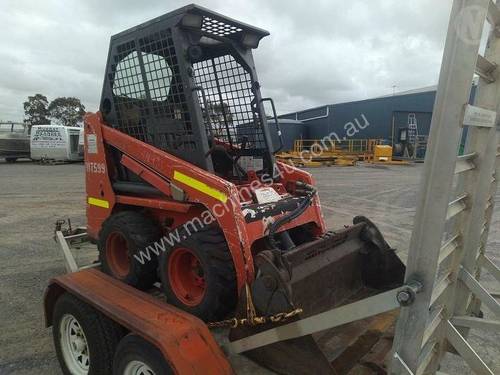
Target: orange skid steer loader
{"type": "Point", "coordinates": [183, 188]}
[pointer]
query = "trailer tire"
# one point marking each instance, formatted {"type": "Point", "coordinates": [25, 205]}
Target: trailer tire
{"type": "Point", "coordinates": [136, 355]}
{"type": "Point", "coordinates": [198, 274]}
{"type": "Point", "coordinates": [124, 236]}
{"type": "Point", "coordinates": [10, 160]}
{"type": "Point", "coordinates": [73, 317]}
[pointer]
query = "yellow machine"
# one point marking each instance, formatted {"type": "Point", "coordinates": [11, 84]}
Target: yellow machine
{"type": "Point", "coordinates": [382, 154]}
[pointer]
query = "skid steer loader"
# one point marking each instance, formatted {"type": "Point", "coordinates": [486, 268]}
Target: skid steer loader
{"type": "Point", "coordinates": [183, 188]}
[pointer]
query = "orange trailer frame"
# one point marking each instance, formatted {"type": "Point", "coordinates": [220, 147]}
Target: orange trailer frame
{"type": "Point", "coordinates": [184, 340]}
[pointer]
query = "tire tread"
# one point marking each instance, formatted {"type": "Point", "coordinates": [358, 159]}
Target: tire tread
{"type": "Point", "coordinates": [143, 231]}
{"type": "Point", "coordinates": [223, 295]}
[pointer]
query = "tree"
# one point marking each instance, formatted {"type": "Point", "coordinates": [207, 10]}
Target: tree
{"type": "Point", "coordinates": [36, 110]}
{"type": "Point", "coordinates": [67, 111]}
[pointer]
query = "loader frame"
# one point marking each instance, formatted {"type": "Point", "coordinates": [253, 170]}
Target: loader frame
{"type": "Point", "coordinates": [185, 192]}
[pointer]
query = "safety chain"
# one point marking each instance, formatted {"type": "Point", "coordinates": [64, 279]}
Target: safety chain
{"type": "Point", "coordinates": [252, 319]}
{"type": "Point", "coordinates": [257, 320]}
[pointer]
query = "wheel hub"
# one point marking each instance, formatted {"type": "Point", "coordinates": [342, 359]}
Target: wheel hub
{"type": "Point", "coordinates": [186, 276]}
{"type": "Point", "coordinates": [138, 368]}
{"type": "Point", "coordinates": [117, 254]}
{"type": "Point", "coordinates": [74, 346]}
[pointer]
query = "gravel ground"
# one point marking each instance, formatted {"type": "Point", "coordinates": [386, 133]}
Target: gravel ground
{"type": "Point", "coordinates": [33, 197]}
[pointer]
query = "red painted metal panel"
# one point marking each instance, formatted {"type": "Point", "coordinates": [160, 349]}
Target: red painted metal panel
{"type": "Point", "coordinates": [154, 203]}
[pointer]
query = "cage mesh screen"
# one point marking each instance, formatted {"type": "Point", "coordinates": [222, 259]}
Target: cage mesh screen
{"type": "Point", "coordinates": [219, 28]}
{"type": "Point", "coordinates": [148, 93]}
{"type": "Point", "coordinates": [228, 111]}
{"type": "Point", "coordinates": [128, 91]}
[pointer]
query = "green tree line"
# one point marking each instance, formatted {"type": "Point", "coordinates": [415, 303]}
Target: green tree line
{"type": "Point", "coordinates": [64, 111]}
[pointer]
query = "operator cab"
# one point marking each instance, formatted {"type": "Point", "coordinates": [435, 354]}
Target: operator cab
{"type": "Point", "coordinates": [186, 83]}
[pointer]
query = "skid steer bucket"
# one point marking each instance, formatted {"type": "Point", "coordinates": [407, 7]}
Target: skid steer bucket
{"type": "Point", "coordinates": [341, 267]}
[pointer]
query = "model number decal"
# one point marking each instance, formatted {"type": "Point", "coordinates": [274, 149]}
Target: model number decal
{"type": "Point", "coordinates": [92, 167]}
{"type": "Point", "coordinates": [91, 144]}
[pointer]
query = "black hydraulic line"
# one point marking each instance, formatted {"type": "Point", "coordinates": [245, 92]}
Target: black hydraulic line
{"type": "Point", "coordinates": [306, 202]}
{"type": "Point", "coordinates": [286, 240]}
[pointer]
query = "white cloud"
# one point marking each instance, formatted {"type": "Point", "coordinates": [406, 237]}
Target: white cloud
{"type": "Point", "coordinates": [318, 52]}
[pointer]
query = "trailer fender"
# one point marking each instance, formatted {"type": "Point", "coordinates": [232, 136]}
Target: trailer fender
{"type": "Point", "coordinates": [184, 340]}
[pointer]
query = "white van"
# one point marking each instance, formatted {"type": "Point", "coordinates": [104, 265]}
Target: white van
{"type": "Point", "coordinates": [55, 142]}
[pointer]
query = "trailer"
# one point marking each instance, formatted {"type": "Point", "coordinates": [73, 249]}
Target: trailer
{"type": "Point", "coordinates": [56, 143]}
{"type": "Point", "coordinates": [14, 141]}
{"type": "Point", "coordinates": [135, 330]}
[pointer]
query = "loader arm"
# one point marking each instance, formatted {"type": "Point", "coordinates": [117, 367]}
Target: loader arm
{"type": "Point", "coordinates": [195, 186]}
{"type": "Point", "coordinates": [199, 186]}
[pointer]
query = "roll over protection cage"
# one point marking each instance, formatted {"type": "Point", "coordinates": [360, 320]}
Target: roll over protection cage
{"type": "Point", "coordinates": [186, 80]}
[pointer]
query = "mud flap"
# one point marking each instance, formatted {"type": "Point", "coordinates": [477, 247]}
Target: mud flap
{"type": "Point", "coordinates": [339, 268]}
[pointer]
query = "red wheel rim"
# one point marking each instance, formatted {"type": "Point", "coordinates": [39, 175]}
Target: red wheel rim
{"type": "Point", "coordinates": [186, 277]}
{"type": "Point", "coordinates": [117, 255]}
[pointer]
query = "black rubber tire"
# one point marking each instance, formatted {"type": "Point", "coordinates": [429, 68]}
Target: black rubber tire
{"type": "Point", "coordinates": [140, 232]}
{"type": "Point", "coordinates": [102, 334]}
{"type": "Point", "coordinates": [10, 160]}
{"type": "Point", "coordinates": [221, 294]}
{"type": "Point", "coordinates": [134, 348]}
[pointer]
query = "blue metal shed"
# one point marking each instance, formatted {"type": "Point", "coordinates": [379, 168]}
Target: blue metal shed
{"type": "Point", "coordinates": [371, 118]}
{"type": "Point", "coordinates": [290, 130]}
{"type": "Point", "coordinates": [381, 117]}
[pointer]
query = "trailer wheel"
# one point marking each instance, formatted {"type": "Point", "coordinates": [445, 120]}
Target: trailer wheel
{"type": "Point", "coordinates": [10, 160]}
{"type": "Point", "coordinates": [85, 340]}
{"type": "Point", "coordinates": [198, 275]}
{"type": "Point", "coordinates": [136, 356]}
{"type": "Point", "coordinates": [122, 236]}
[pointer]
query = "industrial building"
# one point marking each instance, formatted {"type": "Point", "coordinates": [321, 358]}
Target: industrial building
{"type": "Point", "coordinates": [382, 117]}
{"type": "Point", "coordinates": [400, 120]}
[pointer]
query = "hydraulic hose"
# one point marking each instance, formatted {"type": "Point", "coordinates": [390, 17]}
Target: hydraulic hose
{"type": "Point", "coordinates": [309, 191]}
